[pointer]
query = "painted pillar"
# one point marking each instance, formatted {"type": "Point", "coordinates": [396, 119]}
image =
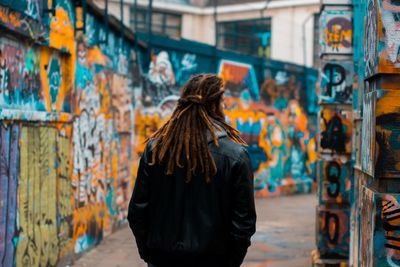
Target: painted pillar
{"type": "Point", "coordinates": [335, 175]}
{"type": "Point", "coordinates": [378, 160]}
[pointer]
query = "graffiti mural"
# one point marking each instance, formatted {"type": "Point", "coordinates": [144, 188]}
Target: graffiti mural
{"type": "Point", "coordinates": [61, 35]}
{"type": "Point", "coordinates": [275, 126]}
{"type": "Point", "coordinates": [336, 32]}
{"type": "Point", "coordinates": [333, 236]}
{"type": "Point", "coordinates": [185, 67]}
{"type": "Point", "coordinates": [20, 84]}
{"type": "Point", "coordinates": [382, 37]}
{"type": "Point", "coordinates": [336, 82]}
{"type": "Point", "coordinates": [76, 107]}
{"type": "Point", "coordinates": [240, 79]}
{"type": "Point", "coordinates": [32, 78]}
{"type": "Point", "coordinates": [37, 239]}
{"type": "Point", "coordinates": [159, 93]}
{"type": "Point", "coordinates": [24, 18]}
{"type": "Point", "coordinates": [102, 140]}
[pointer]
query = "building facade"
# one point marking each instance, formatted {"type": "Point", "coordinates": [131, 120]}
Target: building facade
{"type": "Point", "coordinates": [277, 29]}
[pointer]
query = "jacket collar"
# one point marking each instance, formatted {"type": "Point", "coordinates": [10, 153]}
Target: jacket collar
{"type": "Point", "coordinates": [219, 133]}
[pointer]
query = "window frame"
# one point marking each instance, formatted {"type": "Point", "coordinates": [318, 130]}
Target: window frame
{"type": "Point", "coordinates": [142, 26]}
{"type": "Point", "coordinates": [250, 36]}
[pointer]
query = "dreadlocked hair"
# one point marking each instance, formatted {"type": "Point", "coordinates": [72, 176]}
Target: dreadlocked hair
{"type": "Point", "coordinates": [184, 135]}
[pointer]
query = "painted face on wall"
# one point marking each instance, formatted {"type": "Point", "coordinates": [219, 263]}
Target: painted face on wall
{"type": "Point", "coordinates": [82, 53]}
{"type": "Point", "coordinates": [121, 104]}
{"type": "Point", "coordinates": [61, 23]}
{"type": "Point", "coordinates": [61, 30]}
{"type": "Point", "coordinates": [276, 136]}
{"type": "Point", "coordinates": [161, 71]}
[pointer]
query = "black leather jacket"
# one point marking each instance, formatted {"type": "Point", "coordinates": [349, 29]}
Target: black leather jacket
{"type": "Point", "coordinates": [197, 223]}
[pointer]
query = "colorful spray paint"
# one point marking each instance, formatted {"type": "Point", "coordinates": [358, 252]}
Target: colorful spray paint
{"type": "Point", "coordinates": [76, 107]}
{"type": "Point", "coordinates": [335, 124]}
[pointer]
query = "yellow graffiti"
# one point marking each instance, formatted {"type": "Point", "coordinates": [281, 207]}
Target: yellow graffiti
{"type": "Point", "coordinates": [61, 30]}
{"type": "Point", "coordinates": [337, 36]}
{"type": "Point", "coordinates": [11, 18]}
{"type": "Point", "coordinates": [64, 196]}
{"type": "Point", "coordinates": [38, 244]}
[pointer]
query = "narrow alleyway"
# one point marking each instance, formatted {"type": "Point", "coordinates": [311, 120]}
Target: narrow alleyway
{"type": "Point", "coordinates": [284, 238]}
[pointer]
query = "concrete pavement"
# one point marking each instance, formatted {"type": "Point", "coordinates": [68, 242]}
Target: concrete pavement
{"type": "Point", "coordinates": [284, 238]}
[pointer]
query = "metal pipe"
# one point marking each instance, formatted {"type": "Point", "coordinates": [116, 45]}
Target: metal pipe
{"type": "Point", "coordinates": [121, 11]}
{"type": "Point", "coordinates": [149, 20]}
{"type": "Point", "coordinates": [264, 8]}
{"type": "Point", "coordinates": [135, 21]}
{"type": "Point", "coordinates": [304, 38]}
{"type": "Point", "coordinates": [215, 2]}
{"type": "Point", "coordinates": [106, 22]}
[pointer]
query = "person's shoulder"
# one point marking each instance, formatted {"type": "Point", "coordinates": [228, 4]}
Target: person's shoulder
{"type": "Point", "coordinates": [232, 149]}
{"type": "Point", "coordinates": [148, 149]}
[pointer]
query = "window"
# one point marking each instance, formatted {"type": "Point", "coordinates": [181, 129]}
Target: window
{"type": "Point", "coordinates": [251, 37]}
{"type": "Point", "coordinates": [167, 24]}
{"type": "Point", "coordinates": [316, 59]}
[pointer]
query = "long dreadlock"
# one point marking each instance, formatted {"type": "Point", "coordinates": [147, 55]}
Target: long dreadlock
{"type": "Point", "coordinates": [184, 135]}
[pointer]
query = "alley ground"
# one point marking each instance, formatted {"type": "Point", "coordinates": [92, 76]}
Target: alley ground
{"type": "Point", "coordinates": [284, 238]}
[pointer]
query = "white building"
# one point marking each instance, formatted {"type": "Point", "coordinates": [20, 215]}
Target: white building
{"type": "Point", "coordinates": [279, 29]}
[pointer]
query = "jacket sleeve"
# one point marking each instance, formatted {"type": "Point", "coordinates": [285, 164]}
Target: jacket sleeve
{"type": "Point", "coordinates": [243, 213]}
{"type": "Point", "coordinates": [138, 207]}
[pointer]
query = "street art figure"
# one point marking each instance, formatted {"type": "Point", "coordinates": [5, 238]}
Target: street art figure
{"type": "Point", "coordinates": [185, 68]}
{"type": "Point", "coordinates": [239, 77]}
{"type": "Point", "coordinates": [160, 70]}
{"type": "Point", "coordinates": [274, 126]}
{"type": "Point", "coordinates": [121, 103]}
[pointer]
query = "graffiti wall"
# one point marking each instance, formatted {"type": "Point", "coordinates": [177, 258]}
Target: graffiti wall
{"type": "Point", "coordinates": [271, 115]}
{"type": "Point", "coordinates": [382, 37]}
{"type": "Point", "coordinates": [66, 136]}
{"type": "Point", "coordinates": [337, 83]}
{"type": "Point", "coordinates": [76, 106]}
{"type": "Point", "coordinates": [274, 122]}
{"type": "Point", "coordinates": [378, 159]}
{"type": "Point", "coordinates": [32, 78]}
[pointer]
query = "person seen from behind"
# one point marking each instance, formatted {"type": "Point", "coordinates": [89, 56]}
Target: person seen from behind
{"type": "Point", "coordinates": [193, 202]}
